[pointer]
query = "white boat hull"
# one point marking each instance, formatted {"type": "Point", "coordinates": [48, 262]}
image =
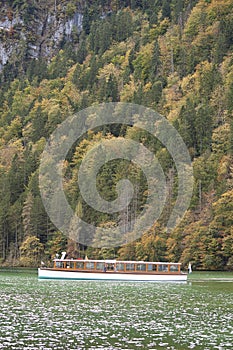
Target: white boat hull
{"type": "Point", "coordinates": [108, 276]}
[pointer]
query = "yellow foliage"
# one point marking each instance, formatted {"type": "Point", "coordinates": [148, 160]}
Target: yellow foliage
{"type": "Point", "coordinates": [224, 168]}
{"type": "Point", "coordinates": [8, 151]}
{"type": "Point", "coordinates": [187, 83]}
{"type": "Point", "coordinates": [219, 9]}
{"type": "Point", "coordinates": [107, 70]}
{"type": "Point", "coordinates": [13, 130]}
{"type": "Point", "coordinates": [128, 91]}
{"type": "Point", "coordinates": [147, 87]}
{"type": "Point", "coordinates": [118, 49]}
{"type": "Point", "coordinates": [196, 19]}
{"type": "Point", "coordinates": [220, 139]}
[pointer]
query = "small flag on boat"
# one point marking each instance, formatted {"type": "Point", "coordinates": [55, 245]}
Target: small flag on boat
{"type": "Point", "coordinates": [63, 255]}
{"type": "Point", "coordinates": [189, 268]}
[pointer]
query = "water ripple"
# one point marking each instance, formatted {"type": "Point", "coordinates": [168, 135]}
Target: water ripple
{"type": "Point", "coordinates": [73, 315]}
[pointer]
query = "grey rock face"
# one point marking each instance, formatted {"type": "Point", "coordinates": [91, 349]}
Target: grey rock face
{"type": "Point", "coordinates": [35, 35]}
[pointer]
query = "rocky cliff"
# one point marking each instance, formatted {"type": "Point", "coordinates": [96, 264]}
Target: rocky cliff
{"type": "Point", "coordinates": [36, 29]}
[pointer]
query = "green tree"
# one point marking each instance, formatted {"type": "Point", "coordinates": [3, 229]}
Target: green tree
{"type": "Point", "coordinates": [166, 9]}
{"type": "Point", "coordinates": [56, 244]}
{"type": "Point", "coordinates": [31, 251]}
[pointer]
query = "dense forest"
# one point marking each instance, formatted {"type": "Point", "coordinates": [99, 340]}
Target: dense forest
{"type": "Point", "coordinates": [175, 57]}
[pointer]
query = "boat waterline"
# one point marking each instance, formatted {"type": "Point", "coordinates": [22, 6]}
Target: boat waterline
{"type": "Point", "coordinates": [108, 276]}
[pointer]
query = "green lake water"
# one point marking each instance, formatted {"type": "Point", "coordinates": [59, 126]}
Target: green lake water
{"type": "Point", "coordinates": [71, 315]}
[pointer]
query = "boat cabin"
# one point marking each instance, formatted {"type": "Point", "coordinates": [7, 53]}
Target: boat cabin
{"type": "Point", "coordinates": [113, 266]}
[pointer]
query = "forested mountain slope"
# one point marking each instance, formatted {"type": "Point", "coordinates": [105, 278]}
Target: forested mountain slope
{"type": "Point", "coordinates": [59, 57]}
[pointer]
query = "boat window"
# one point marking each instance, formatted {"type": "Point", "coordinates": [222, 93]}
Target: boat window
{"type": "Point", "coordinates": [90, 265]}
{"type": "Point", "coordinates": [141, 267]}
{"type": "Point", "coordinates": [58, 264]}
{"type": "Point", "coordinates": [120, 267]}
{"type": "Point", "coordinates": [99, 266]}
{"type": "Point", "coordinates": [130, 267]}
{"type": "Point", "coordinates": [110, 267]}
{"type": "Point", "coordinates": [79, 265]}
{"type": "Point", "coordinates": [71, 263]}
{"type": "Point", "coordinates": [151, 267]}
{"type": "Point", "coordinates": [174, 268]}
{"type": "Point", "coordinates": [163, 268]}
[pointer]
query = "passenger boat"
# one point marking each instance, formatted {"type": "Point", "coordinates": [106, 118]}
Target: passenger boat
{"type": "Point", "coordinates": [112, 270]}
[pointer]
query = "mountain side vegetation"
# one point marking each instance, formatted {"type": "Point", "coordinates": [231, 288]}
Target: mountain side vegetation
{"type": "Point", "coordinates": [172, 56]}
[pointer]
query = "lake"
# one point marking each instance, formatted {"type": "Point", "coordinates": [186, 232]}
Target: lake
{"type": "Point", "coordinates": [71, 315]}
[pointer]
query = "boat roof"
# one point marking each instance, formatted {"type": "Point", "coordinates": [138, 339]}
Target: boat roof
{"type": "Point", "coordinates": [113, 261]}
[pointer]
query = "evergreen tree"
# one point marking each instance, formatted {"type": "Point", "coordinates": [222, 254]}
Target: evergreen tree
{"type": "Point", "coordinates": [166, 9]}
{"type": "Point", "coordinates": [155, 61]}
